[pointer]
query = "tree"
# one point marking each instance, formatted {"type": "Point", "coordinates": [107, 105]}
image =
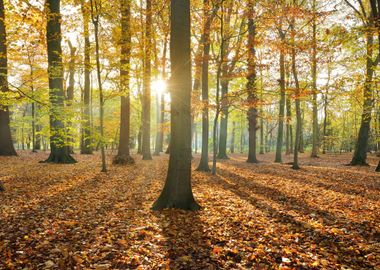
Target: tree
{"type": "Point", "coordinates": [370, 19]}
{"type": "Point", "coordinates": [123, 155]}
{"type": "Point", "coordinates": [70, 94]}
{"type": "Point", "coordinates": [251, 86]}
{"type": "Point", "coordinates": [281, 111]}
{"type": "Point", "coordinates": [86, 144]}
{"type": "Point", "coordinates": [378, 167]}
{"type": "Point", "coordinates": [297, 95]}
{"type": "Point", "coordinates": [146, 84]}
{"type": "Point", "coordinates": [95, 14]}
{"type": "Point", "coordinates": [203, 164]}
{"type": "Point", "coordinates": [6, 143]}
{"type": "Point", "coordinates": [59, 151]}
{"type": "Point", "coordinates": [315, 144]}
{"type": "Point", "coordinates": [177, 192]}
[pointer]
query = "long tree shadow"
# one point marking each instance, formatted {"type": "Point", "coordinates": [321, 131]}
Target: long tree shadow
{"type": "Point", "coordinates": [299, 205]}
{"type": "Point", "coordinates": [340, 245]}
{"type": "Point", "coordinates": [333, 182]}
{"type": "Point", "coordinates": [88, 207]}
{"type": "Point", "coordinates": [187, 244]}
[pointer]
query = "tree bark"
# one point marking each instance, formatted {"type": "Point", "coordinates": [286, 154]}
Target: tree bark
{"type": "Point", "coordinates": [315, 145]}
{"type": "Point", "coordinates": [177, 192]}
{"type": "Point", "coordinates": [86, 146]}
{"type": "Point", "coordinates": [232, 144]}
{"type": "Point", "coordinates": [70, 96]}
{"type": "Point", "coordinates": [161, 111]}
{"type": "Point", "coordinates": [59, 151]}
{"type": "Point", "coordinates": [146, 84]}
{"type": "Point", "coordinates": [123, 155]}
{"type": "Point", "coordinates": [298, 102]}
{"type": "Point", "coordinates": [360, 154]}
{"type": "Point", "coordinates": [95, 20]}
{"type": "Point", "coordinates": [203, 164]}
{"type": "Point", "coordinates": [251, 86]}
{"type": "Point", "coordinates": [280, 135]}
{"type": "Point", "coordinates": [6, 143]}
{"type": "Point", "coordinates": [222, 152]}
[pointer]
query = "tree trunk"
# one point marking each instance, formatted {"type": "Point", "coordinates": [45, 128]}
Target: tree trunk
{"type": "Point", "coordinates": [161, 110]}
{"type": "Point", "coordinates": [123, 155]}
{"type": "Point", "coordinates": [70, 96]}
{"type": "Point", "coordinates": [298, 105]}
{"type": "Point", "coordinates": [360, 154]}
{"type": "Point", "coordinates": [95, 20]}
{"type": "Point", "coordinates": [139, 141]}
{"type": "Point", "coordinates": [288, 105]}
{"type": "Point", "coordinates": [203, 164]}
{"type": "Point", "coordinates": [315, 146]}
{"type": "Point", "coordinates": [6, 143]}
{"type": "Point", "coordinates": [251, 86]}
{"type": "Point", "coordinates": [282, 105]}
{"type": "Point", "coordinates": [378, 167]}
{"type": "Point", "coordinates": [177, 192]}
{"type": "Point", "coordinates": [86, 146]}
{"type": "Point", "coordinates": [59, 152]}
{"type": "Point", "coordinates": [146, 87]}
{"type": "Point", "coordinates": [222, 152]}
{"type": "Point", "coordinates": [232, 145]}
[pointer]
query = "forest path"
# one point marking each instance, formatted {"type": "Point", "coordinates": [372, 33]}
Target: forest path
{"type": "Point", "coordinates": [253, 215]}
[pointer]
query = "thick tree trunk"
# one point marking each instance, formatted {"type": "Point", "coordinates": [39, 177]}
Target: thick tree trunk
{"type": "Point", "coordinates": [177, 192]}
{"type": "Point", "coordinates": [146, 84]}
{"type": "Point", "coordinates": [86, 146]}
{"type": "Point", "coordinates": [360, 154]}
{"type": "Point", "coordinates": [6, 143]}
{"type": "Point", "coordinates": [280, 134]}
{"type": "Point", "coordinates": [123, 155]}
{"type": "Point", "coordinates": [59, 151]}
{"type": "Point", "coordinates": [251, 86]}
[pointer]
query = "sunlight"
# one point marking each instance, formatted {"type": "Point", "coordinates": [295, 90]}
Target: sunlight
{"type": "Point", "coordinates": [159, 86]}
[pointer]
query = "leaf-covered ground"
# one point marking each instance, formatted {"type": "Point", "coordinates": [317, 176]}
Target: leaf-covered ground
{"type": "Point", "coordinates": [263, 216]}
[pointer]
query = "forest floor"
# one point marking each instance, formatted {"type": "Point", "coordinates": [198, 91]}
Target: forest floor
{"type": "Point", "coordinates": [254, 216]}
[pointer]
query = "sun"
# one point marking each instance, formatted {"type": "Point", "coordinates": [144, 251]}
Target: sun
{"type": "Point", "coordinates": [159, 86]}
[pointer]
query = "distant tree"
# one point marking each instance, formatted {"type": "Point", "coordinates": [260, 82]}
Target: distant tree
{"type": "Point", "coordinates": [297, 93]}
{"type": "Point", "coordinates": [251, 86]}
{"type": "Point", "coordinates": [95, 15]}
{"type": "Point", "coordinates": [203, 164]}
{"type": "Point", "coordinates": [315, 136]}
{"type": "Point", "coordinates": [281, 111]}
{"type": "Point", "coordinates": [70, 94]}
{"type": "Point", "coordinates": [59, 151]}
{"type": "Point", "coordinates": [177, 192]}
{"type": "Point", "coordinates": [86, 141]}
{"type": "Point", "coordinates": [6, 143]}
{"type": "Point", "coordinates": [146, 84]}
{"type": "Point", "coordinates": [123, 156]}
